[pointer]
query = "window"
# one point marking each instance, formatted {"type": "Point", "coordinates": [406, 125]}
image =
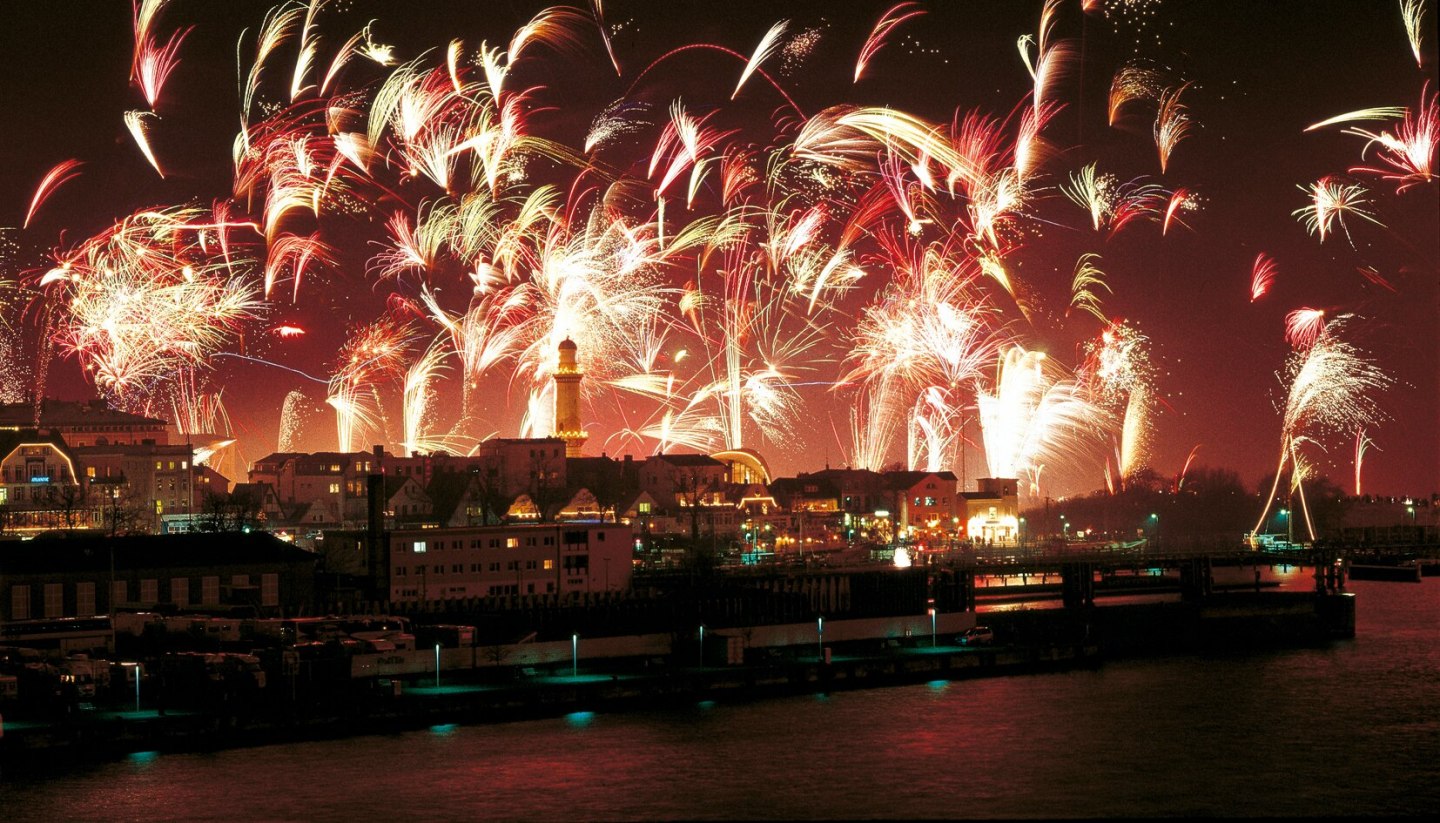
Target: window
{"type": "Point", "coordinates": [20, 602]}
{"type": "Point", "coordinates": [149, 591]}
{"type": "Point", "coordinates": [180, 591]}
{"type": "Point", "coordinates": [549, 564]}
{"type": "Point", "coordinates": [85, 599]}
{"type": "Point", "coordinates": [494, 567]}
{"type": "Point", "coordinates": [494, 542]}
{"type": "Point", "coordinates": [54, 599]}
{"type": "Point", "coordinates": [512, 542]}
{"type": "Point", "coordinates": [119, 593]}
{"type": "Point", "coordinates": [419, 546]}
{"type": "Point", "coordinates": [929, 501]}
{"type": "Point", "coordinates": [210, 591]}
{"type": "Point", "coordinates": [269, 589]}
{"type": "Point", "coordinates": [513, 565]}
{"type": "Point", "coordinates": [334, 488]}
{"type": "Point", "coordinates": [529, 565]}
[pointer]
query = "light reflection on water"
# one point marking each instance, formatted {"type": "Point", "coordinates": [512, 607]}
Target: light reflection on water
{"type": "Point", "coordinates": [1351, 728]}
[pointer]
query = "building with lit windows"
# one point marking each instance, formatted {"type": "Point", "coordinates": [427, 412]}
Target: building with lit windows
{"type": "Point", "coordinates": [84, 422]}
{"type": "Point", "coordinates": [417, 564]}
{"type": "Point", "coordinates": [992, 513]}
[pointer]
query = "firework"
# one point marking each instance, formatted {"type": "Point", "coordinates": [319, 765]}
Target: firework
{"type": "Point", "coordinates": [63, 172]}
{"type": "Point", "coordinates": [1031, 414]}
{"type": "Point", "coordinates": [1303, 327]}
{"type": "Point", "coordinates": [1412, 12]}
{"type": "Point", "coordinates": [1331, 199]}
{"type": "Point", "coordinates": [1362, 445]}
{"type": "Point", "coordinates": [1172, 123]}
{"type": "Point", "coordinates": [1262, 276]}
{"type": "Point", "coordinates": [143, 300]}
{"type": "Point", "coordinates": [1083, 286]}
{"type": "Point", "coordinates": [763, 50]}
{"type": "Point", "coordinates": [876, 41]}
{"type": "Point", "coordinates": [1331, 387]}
{"type": "Point", "coordinates": [1410, 151]}
{"type": "Point", "coordinates": [135, 121]}
{"type": "Point", "coordinates": [1132, 83]}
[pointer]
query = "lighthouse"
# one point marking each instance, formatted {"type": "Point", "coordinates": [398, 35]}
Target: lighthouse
{"type": "Point", "coordinates": [567, 400]}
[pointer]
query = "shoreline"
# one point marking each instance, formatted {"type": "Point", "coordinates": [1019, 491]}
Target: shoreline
{"type": "Point", "coordinates": [1036, 641]}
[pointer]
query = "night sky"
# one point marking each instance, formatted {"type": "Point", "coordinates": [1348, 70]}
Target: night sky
{"type": "Point", "coordinates": [1260, 73]}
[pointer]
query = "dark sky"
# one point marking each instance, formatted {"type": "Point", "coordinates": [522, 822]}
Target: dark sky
{"type": "Point", "coordinates": [1261, 73]}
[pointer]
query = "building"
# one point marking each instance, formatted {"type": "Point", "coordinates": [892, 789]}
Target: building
{"type": "Point", "coordinates": [40, 483]}
{"type": "Point", "coordinates": [923, 501]}
{"type": "Point", "coordinates": [84, 422]}
{"type": "Point", "coordinates": [87, 576]}
{"type": "Point", "coordinates": [568, 425]}
{"type": "Point", "coordinates": [485, 561]}
{"type": "Point", "coordinates": [992, 513]}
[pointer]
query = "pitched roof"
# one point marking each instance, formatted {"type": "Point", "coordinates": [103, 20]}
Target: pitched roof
{"type": "Point", "coordinates": [63, 413]}
{"type": "Point", "coordinates": [689, 460]}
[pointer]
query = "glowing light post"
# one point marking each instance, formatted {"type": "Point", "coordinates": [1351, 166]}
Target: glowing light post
{"type": "Point", "coordinates": [702, 645]}
{"type": "Point", "coordinates": [1155, 528]}
{"type": "Point", "coordinates": [1022, 532]}
{"type": "Point", "coordinates": [574, 655]}
{"type": "Point", "coordinates": [1065, 528]}
{"type": "Point", "coordinates": [1289, 529]}
{"type": "Point", "coordinates": [137, 684]}
{"type": "Point", "coordinates": [820, 631]}
{"type": "Point", "coordinates": [933, 642]}
{"type": "Point", "coordinates": [437, 665]}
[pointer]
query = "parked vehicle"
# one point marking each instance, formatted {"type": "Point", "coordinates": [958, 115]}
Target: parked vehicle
{"type": "Point", "coordinates": [976, 636]}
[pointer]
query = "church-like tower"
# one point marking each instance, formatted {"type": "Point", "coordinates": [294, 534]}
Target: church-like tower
{"type": "Point", "coordinates": [567, 400]}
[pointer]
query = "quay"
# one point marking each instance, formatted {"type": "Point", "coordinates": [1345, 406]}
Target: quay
{"type": "Point", "coordinates": [391, 691]}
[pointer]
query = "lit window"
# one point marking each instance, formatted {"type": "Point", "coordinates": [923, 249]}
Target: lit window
{"type": "Point", "coordinates": [512, 542]}
{"type": "Point", "coordinates": [549, 564]}
{"type": "Point", "coordinates": [419, 546]}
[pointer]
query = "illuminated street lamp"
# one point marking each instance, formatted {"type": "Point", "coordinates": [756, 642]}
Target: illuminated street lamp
{"type": "Point", "coordinates": [933, 644]}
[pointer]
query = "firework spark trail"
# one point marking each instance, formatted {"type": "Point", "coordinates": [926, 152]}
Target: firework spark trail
{"type": "Point", "coordinates": [876, 41]}
{"type": "Point", "coordinates": [1362, 445]}
{"type": "Point", "coordinates": [1410, 151]}
{"type": "Point", "coordinates": [63, 172]}
{"type": "Point", "coordinates": [152, 63]}
{"type": "Point", "coordinates": [1083, 287]}
{"type": "Point", "coordinates": [1412, 12]}
{"type": "Point", "coordinates": [763, 50]}
{"type": "Point", "coordinates": [1331, 198]}
{"type": "Point", "coordinates": [1375, 113]}
{"type": "Point", "coordinates": [1331, 387]}
{"type": "Point", "coordinates": [1262, 276]}
{"type": "Point", "coordinates": [1303, 327]}
{"type": "Point", "coordinates": [1030, 415]}
{"type": "Point", "coordinates": [142, 299]}
{"type": "Point", "coordinates": [1172, 123]}
{"type": "Point", "coordinates": [135, 121]}
{"type": "Point", "coordinates": [1132, 83]}
{"type": "Point", "coordinates": [1135, 433]}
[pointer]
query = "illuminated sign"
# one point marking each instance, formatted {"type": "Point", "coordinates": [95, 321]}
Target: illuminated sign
{"type": "Point", "coordinates": [41, 479]}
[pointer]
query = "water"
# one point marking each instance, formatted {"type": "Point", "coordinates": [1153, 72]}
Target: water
{"type": "Point", "coordinates": [1353, 728]}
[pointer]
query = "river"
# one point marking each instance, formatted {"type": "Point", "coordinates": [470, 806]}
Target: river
{"type": "Point", "coordinates": [1352, 728]}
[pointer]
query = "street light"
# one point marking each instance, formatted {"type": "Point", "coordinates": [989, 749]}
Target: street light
{"type": "Point", "coordinates": [574, 655]}
{"type": "Point", "coordinates": [820, 632]}
{"type": "Point", "coordinates": [437, 665]}
{"type": "Point", "coordinates": [1155, 526]}
{"type": "Point", "coordinates": [702, 645]}
{"type": "Point", "coordinates": [933, 644]}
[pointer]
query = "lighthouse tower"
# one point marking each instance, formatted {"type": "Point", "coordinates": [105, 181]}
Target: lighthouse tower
{"type": "Point", "coordinates": [567, 400]}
